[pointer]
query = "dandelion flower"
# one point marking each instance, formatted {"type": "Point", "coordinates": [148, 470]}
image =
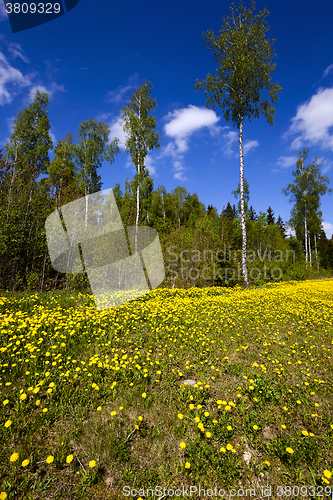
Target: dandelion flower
{"type": "Point", "coordinates": [290, 450]}
{"type": "Point", "coordinates": [8, 423]}
{"type": "Point", "coordinates": [223, 450]}
{"type": "Point", "coordinates": [49, 459]}
{"type": "Point", "coordinates": [69, 459]}
{"type": "Point", "coordinates": [144, 395]}
{"type": "Point", "coordinates": [182, 444]}
{"type": "Point", "coordinates": [255, 427]}
{"type": "Point", "coordinates": [3, 495]}
{"type": "Point", "coordinates": [208, 434]}
{"type": "Point", "coordinates": [229, 446]}
{"type": "Point", "coordinates": [14, 457]}
{"type": "Point", "coordinates": [229, 428]}
{"type": "Point", "coordinates": [180, 416]}
{"type": "Point", "coordinates": [25, 463]}
{"type": "Point", "coordinates": [187, 465]}
{"type": "Point", "coordinates": [99, 408]}
{"type": "Point", "coordinates": [45, 410]}
{"type": "Point", "coordinates": [305, 433]}
{"type": "Point", "coordinates": [92, 464]}
{"type": "Point", "coordinates": [267, 463]}
{"type": "Point", "coordinates": [327, 474]}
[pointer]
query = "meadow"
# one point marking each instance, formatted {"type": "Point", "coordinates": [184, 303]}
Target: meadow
{"type": "Point", "coordinates": [94, 401]}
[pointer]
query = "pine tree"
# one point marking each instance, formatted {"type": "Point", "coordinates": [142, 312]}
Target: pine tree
{"type": "Point", "coordinates": [270, 216]}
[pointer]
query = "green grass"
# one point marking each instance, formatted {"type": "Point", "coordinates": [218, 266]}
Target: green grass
{"type": "Point", "coordinates": [267, 352]}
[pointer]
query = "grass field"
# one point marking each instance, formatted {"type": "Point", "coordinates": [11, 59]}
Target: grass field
{"type": "Point", "coordinates": [94, 401]}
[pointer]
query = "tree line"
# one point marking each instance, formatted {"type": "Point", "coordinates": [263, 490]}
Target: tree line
{"type": "Point", "coordinates": [200, 246]}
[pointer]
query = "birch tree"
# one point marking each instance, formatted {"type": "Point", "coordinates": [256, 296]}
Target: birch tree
{"type": "Point", "coordinates": [308, 185]}
{"type": "Point", "coordinates": [139, 127]}
{"type": "Point", "coordinates": [244, 56]}
{"type": "Point", "coordinates": [92, 149]}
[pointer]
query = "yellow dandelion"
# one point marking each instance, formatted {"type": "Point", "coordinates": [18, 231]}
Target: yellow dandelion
{"type": "Point", "coordinates": [255, 427]}
{"type": "Point", "coordinates": [290, 450]}
{"type": "Point", "coordinates": [187, 465]}
{"type": "Point", "coordinates": [45, 410]}
{"type": "Point", "coordinates": [69, 459]}
{"type": "Point", "coordinates": [267, 463]}
{"type": "Point", "coordinates": [8, 423]}
{"type": "Point", "coordinates": [327, 474]}
{"type": "Point", "coordinates": [208, 434]}
{"type": "Point", "coordinates": [180, 416]}
{"type": "Point", "coordinates": [92, 464]}
{"type": "Point", "coordinates": [25, 462]}
{"type": "Point", "coordinates": [99, 408]}
{"type": "Point", "coordinates": [49, 459]}
{"type": "Point", "coordinates": [223, 450]}
{"type": "Point", "coordinates": [305, 433]}
{"type": "Point", "coordinates": [144, 395]}
{"type": "Point", "coordinates": [182, 444]}
{"type": "Point", "coordinates": [229, 428]}
{"type": "Point", "coordinates": [14, 457]}
{"type": "Point", "coordinates": [229, 446]}
{"type": "Point", "coordinates": [3, 495]}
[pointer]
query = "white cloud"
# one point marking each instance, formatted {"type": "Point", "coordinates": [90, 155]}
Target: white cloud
{"type": "Point", "coordinates": [229, 137]}
{"type": "Point", "coordinates": [181, 125]}
{"type": "Point", "coordinates": [179, 170]}
{"type": "Point", "coordinates": [328, 228]}
{"type": "Point", "coordinates": [328, 70]}
{"type": "Point", "coordinates": [117, 95]}
{"type": "Point", "coordinates": [15, 50]}
{"type": "Point", "coordinates": [10, 79]}
{"type": "Point", "coordinates": [250, 145]}
{"type": "Point", "coordinates": [327, 165]}
{"type": "Point", "coordinates": [287, 161]}
{"type": "Point", "coordinates": [149, 163]}
{"type": "Point", "coordinates": [184, 122]}
{"type": "Point", "coordinates": [116, 130]}
{"type": "Point", "coordinates": [313, 120]}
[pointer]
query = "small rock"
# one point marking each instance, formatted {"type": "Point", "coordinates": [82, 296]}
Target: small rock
{"type": "Point", "coordinates": [189, 382]}
{"type": "Point", "coordinates": [247, 456]}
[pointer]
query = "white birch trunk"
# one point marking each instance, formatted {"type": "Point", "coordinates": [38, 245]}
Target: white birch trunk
{"type": "Point", "coordinates": [306, 240]}
{"type": "Point", "coordinates": [310, 251]}
{"type": "Point", "coordinates": [241, 176]}
{"type": "Point", "coordinates": [315, 241]}
{"type": "Point", "coordinates": [138, 194]}
{"type": "Point", "coordinates": [11, 185]}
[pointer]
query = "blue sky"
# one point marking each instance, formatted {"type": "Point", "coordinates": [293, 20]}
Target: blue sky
{"type": "Point", "coordinates": [91, 59]}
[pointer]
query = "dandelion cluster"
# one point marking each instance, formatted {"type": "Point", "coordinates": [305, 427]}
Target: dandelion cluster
{"type": "Point", "coordinates": [257, 362]}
